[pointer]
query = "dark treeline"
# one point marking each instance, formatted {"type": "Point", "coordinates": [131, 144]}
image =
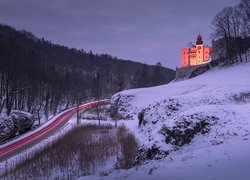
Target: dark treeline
{"type": "Point", "coordinates": [232, 32]}
{"type": "Point", "coordinates": [39, 77]}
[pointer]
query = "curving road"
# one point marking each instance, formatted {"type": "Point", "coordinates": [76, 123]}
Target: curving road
{"type": "Point", "coordinates": [18, 145]}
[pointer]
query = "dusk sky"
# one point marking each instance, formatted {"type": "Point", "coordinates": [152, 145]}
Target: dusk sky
{"type": "Point", "coordinates": [140, 30]}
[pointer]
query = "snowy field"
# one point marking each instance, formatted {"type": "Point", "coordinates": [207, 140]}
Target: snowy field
{"type": "Point", "coordinates": [201, 125]}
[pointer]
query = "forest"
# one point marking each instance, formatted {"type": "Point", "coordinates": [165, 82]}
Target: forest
{"type": "Point", "coordinates": [43, 78]}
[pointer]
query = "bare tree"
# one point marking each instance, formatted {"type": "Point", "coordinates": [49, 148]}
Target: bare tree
{"type": "Point", "coordinates": [232, 30]}
{"type": "Point", "coordinates": [222, 29]}
{"type": "Point", "coordinates": [97, 95]}
{"type": "Point", "coordinates": [244, 9]}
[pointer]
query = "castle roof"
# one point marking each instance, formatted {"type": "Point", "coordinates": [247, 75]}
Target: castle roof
{"type": "Point", "coordinates": [199, 40]}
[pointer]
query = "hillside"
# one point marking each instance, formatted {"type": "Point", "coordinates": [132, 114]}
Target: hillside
{"type": "Point", "coordinates": [201, 124]}
{"type": "Point", "coordinates": [41, 77]}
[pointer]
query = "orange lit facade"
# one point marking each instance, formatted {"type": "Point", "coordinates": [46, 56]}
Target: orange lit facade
{"type": "Point", "coordinates": [196, 55]}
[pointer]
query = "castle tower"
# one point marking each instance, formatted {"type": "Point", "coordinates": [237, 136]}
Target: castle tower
{"type": "Point", "coordinates": [199, 51]}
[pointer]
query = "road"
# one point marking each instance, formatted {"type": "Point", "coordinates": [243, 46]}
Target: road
{"type": "Point", "coordinates": [18, 145]}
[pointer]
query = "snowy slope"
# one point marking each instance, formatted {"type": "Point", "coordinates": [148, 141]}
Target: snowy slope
{"type": "Point", "coordinates": [221, 79]}
{"type": "Point", "coordinates": [209, 112]}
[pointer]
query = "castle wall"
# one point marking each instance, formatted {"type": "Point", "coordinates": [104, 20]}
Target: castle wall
{"type": "Point", "coordinates": [185, 57]}
{"type": "Point", "coordinates": [184, 72]}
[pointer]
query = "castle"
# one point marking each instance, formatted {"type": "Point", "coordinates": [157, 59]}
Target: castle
{"type": "Point", "coordinates": [196, 55]}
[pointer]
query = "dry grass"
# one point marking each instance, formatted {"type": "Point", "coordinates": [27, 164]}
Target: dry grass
{"type": "Point", "coordinates": [128, 148]}
{"type": "Point", "coordinates": [78, 153]}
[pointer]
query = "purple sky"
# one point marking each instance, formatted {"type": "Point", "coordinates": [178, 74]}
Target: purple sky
{"type": "Point", "coordinates": [140, 30]}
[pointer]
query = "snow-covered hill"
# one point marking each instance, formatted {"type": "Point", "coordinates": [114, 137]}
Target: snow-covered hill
{"type": "Point", "coordinates": [196, 115]}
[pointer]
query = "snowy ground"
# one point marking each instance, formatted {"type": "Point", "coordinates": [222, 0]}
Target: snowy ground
{"type": "Point", "coordinates": [223, 162]}
{"type": "Point", "coordinates": [214, 107]}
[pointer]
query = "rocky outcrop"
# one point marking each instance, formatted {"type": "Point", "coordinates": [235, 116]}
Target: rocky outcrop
{"type": "Point", "coordinates": [7, 128]}
{"type": "Point", "coordinates": [241, 98]}
{"type": "Point", "coordinates": [182, 132]}
{"type": "Point", "coordinates": [145, 154]}
{"type": "Point", "coordinates": [23, 121]}
{"type": "Point", "coordinates": [186, 129]}
{"type": "Point", "coordinates": [120, 107]}
{"type": "Point", "coordinates": [18, 122]}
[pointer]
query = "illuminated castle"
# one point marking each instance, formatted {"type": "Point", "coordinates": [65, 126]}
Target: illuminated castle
{"type": "Point", "coordinates": [196, 55]}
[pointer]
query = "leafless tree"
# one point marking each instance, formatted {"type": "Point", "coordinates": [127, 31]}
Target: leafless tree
{"type": "Point", "coordinates": [231, 30]}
